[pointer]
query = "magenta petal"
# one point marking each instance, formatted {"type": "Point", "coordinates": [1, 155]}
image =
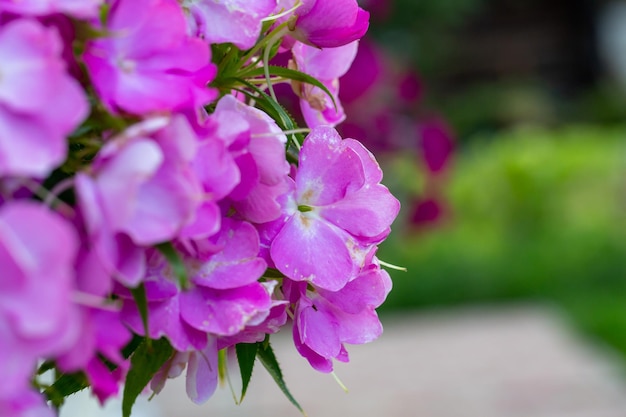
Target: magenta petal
{"type": "Point", "coordinates": [164, 321]}
{"type": "Point", "coordinates": [261, 204]}
{"type": "Point", "coordinates": [235, 21]}
{"type": "Point", "coordinates": [331, 114]}
{"type": "Point", "coordinates": [269, 155]}
{"type": "Point", "coordinates": [369, 289]}
{"type": "Point", "coordinates": [331, 23]}
{"type": "Point", "coordinates": [373, 173]}
{"type": "Point", "coordinates": [310, 249]}
{"type": "Point", "coordinates": [360, 328]}
{"type": "Point", "coordinates": [237, 264]}
{"type": "Point", "coordinates": [216, 169]}
{"type": "Point", "coordinates": [317, 361]}
{"type": "Point", "coordinates": [206, 223]}
{"type": "Point", "coordinates": [223, 312]}
{"type": "Point", "coordinates": [333, 37]}
{"type": "Point", "coordinates": [324, 64]}
{"type": "Point", "coordinates": [318, 329]}
{"type": "Point", "coordinates": [249, 176]}
{"type": "Point", "coordinates": [25, 403]}
{"type": "Point", "coordinates": [366, 213]}
{"type": "Point", "coordinates": [148, 62]}
{"type": "Point", "coordinates": [202, 373]}
{"type": "Point", "coordinates": [328, 169]}
{"type": "Point", "coordinates": [36, 307]}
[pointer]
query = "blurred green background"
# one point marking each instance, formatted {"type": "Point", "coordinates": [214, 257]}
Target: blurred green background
{"type": "Point", "coordinates": [533, 199]}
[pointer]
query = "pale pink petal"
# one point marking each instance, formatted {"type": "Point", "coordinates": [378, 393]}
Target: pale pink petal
{"type": "Point", "coordinates": [309, 249]}
{"type": "Point", "coordinates": [202, 373]}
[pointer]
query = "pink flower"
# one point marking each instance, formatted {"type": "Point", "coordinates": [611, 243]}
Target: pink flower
{"type": "Point", "coordinates": [149, 63]}
{"type": "Point", "coordinates": [33, 81]}
{"type": "Point", "coordinates": [328, 23]}
{"type": "Point", "coordinates": [27, 403]}
{"type": "Point", "coordinates": [336, 213]}
{"type": "Point", "coordinates": [326, 65]}
{"type": "Point", "coordinates": [76, 8]}
{"type": "Point", "coordinates": [102, 335]}
{"type": "Point", "coordinates": [37, 316]}
{"type": "Point", "coordinates": [235, 21]}
{"type": "Point", "coordinates": [224, 295]}
{"type": "Point", "coordinates": [202, 368]}
{"type": "Point", "coordinates": [436, 145]}
{"type": "Point", "coordinates": [259, 150]}
{"type": "Point", "coordinates": [326, 320]}
{"type": "Point", "coordinates": [141, 191]}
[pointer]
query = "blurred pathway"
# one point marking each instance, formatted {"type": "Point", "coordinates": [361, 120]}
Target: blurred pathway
{"type": "Point", "coordinates": [521, 362]}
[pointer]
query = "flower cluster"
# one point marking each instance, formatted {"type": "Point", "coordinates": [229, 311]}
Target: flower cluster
{"type": "Point", "coordinates": [156, 200]}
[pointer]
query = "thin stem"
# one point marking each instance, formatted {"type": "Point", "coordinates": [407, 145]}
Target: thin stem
{"type": "Point", "coordinates": [285, 13]}
{"type": "Point", "coordinates": [392, 266]}
{"type": "Point", "coordinates": [57, 190]}
{"type": "Point", "coordinates": [228, 57]}
{"type": "Point", "coordinates": [275, 80]}
{"type": "Point", "coordinates": [285, 132]}
{"type": "Point", "coordinates": [45, 195]}
{"type": "Point", "coordinates": [341, 384]}
{"type": "Point", "coordinates": [266, 58]}
{"type": "Point", "coordinates": [256, 48]}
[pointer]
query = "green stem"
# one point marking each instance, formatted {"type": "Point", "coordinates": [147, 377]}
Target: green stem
{"type": "Point", "coordinates": [247, 57]}
{"type": "Point", "coordinates": [266, 58]}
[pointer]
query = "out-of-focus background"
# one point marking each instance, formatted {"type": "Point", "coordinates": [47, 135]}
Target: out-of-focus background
{"type": "Point", "coordinates": [501, 126]}
{"type": "Point", "coordinates": [505, 139]}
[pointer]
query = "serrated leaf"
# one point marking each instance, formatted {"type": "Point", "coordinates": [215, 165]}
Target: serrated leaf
{"type": "Point", "coordinates": [291, 74]}
{"type": "Point", "coordinates": [176, 263]}
{"type": "Point", "coordinates": [268, 359]}
{"type": "Point", "coordinates": [45, 367]}
{"type": "Point", "coordinates": [65, 385]}
{"type": "Point", "coordinates": [246, 355]}
{"type": "Point", "coordinates": [130, 348]}
{"type": "Point", "coordinates": [139, 294]}
{"type": "Point", "coordinates": [144, 363]}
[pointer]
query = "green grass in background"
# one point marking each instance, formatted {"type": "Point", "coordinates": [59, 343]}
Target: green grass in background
{"type": "Point", "coordinates": [535, 215]}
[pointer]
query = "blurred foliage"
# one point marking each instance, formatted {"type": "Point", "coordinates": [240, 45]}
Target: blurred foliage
{"type": "Point", "coordinates": [413, 27]}
{"type": "Point", "coordinates": [491, 107]}
{"type": "Point", "coordinates": [534, 214]}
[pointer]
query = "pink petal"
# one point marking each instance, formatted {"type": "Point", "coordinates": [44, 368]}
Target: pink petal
{"type": "Point", "coordinates": [328, 169]}
{"type": "Point", "coordinates": [309, 249]}
{"type": "Point", "coordinates": [366, 213]}
{"type": "Point", "coordinates": [237, 264]}
{"type": "Point", "coordinates": [202, 373]}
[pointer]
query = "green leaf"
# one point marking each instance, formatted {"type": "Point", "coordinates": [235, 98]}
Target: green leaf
{"type": "Point", "coordinates": [268, 359]}
{"type": "Point", "coordinates": [290, 74]}
{"type": "Point", "coordinates": [65, 385]}
{"type": "Point", "coordinates": [276, 112]}
{"type": "Point", "coordinates": [45, 367]}
{"type": "Point", "coordinates": [246, 354]}
{"type": "Point", "coordinates": [176, 263]}
{"type": "Point", "coordinates": [139, 294]}
{"type": "Point", "coordinates": [144, 363]}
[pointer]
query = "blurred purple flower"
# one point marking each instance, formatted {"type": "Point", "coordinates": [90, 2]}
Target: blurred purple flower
{"type": "Point", "coordinates": [37, 315]}
{"type": "Point", "coordinates": [235, 21]}
{"type": "Point", "coordinates": [81, 9]}
{"type": "Point", "coordinates": [33, 127]}
{"type": "Point", "coordinates": [436, 145]}
{"type": "Point", "coordinates": [149, 63]}
{"type": "Point", "coordinates": [141, 191]}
